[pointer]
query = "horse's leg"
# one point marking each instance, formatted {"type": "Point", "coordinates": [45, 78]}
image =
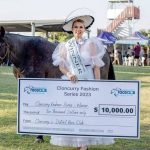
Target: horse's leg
{"type": "Point", "coordinates": [17, 73]}
{"type": "Point", "coordinates": [48, 72]}
{"type": "Point", "coordinates": [39, 139]}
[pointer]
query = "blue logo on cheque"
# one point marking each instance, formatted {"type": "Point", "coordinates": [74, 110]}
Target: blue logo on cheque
{"type": "Point", "coordinates": [122, 92]}
{"type": "Point", "coordinates": [35, 90]}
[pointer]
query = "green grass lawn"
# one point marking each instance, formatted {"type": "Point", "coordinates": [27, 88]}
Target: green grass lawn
{"type": "Point", "coordinates": [10, 140]}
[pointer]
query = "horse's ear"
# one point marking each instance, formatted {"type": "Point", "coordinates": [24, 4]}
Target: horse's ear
{"type": "Point", "coordinates": [2, 32]}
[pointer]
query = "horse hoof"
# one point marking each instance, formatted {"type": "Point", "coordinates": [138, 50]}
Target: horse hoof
{"type": "Point", "coordinates": [38, 141]}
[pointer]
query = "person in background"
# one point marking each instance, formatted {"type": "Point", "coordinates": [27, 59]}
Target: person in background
{"type": "Point", "coordinates": [125, 59]}
{"type": "Point", "coordinates": [142, 56]}
{"type": "Point", "coordinates": [137, 49]}
{"type": "Point", "coordinates": [79, 59]}
{"type": "Point", "coordinates": [116, 56]}
{"type": "Point", "coordinates": [130, 54]}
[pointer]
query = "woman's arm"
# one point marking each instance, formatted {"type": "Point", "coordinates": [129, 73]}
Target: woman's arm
{"type": "Point", "coordinates": [69, 75]}
{"type": "Point", "coordinates": [60, 59]}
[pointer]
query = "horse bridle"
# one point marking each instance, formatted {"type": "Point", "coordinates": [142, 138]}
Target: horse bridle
{"type": "Point", "coordinates": [7, 51]}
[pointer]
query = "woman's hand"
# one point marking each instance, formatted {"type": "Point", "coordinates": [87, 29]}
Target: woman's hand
{"type": "Point", "coordinates": [73, 78]}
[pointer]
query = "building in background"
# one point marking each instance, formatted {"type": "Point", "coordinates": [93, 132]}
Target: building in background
{"type": "Point", "coordinates": [121, 15]}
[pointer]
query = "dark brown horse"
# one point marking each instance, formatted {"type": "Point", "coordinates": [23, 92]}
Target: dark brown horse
{"type": "Point", "coordinates": [31, 57]}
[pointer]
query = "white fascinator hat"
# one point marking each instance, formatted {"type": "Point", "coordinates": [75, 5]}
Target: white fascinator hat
{"type": "Point", "coordinates": [83, 14]}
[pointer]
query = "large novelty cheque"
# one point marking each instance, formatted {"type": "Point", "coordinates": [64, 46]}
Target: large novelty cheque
{"type": "Point", "coordinates": [86, 108]}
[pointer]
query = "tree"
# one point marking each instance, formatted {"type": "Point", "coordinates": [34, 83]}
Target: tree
{"type": "Point", "coordinates": [60, 36]}
{"type": "Point", "coordinates": [56, 36]}
{"type": "Point", "coordinates": [145, 33]}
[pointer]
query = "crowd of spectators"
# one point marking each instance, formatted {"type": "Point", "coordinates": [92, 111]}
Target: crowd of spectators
{"type": "Point", "coordinates": [134, 56]}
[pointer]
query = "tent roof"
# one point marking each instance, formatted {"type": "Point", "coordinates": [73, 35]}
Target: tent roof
{"type": "Point", "coordinates": [107, 37]}
{"type": "Point", "coordinates": [40, 25]}
{"type": "Point", "coordinates": [138, 37]}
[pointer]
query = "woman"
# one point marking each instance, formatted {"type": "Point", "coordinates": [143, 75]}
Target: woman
{"type": "Point", "coordinates": [79, 59]}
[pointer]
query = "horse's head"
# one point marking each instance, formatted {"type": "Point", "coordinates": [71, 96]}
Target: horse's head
{"type": "Point", "coordinates": [3, 45]}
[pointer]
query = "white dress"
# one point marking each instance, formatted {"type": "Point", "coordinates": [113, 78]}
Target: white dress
{"type": "Point", "coordinates": [91, 52]}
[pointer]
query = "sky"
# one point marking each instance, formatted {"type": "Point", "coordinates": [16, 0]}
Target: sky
{"type": "Point", "coordinates": [60, 9]}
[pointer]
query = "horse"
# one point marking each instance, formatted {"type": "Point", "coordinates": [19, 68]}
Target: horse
{"type": "Point", "coordinates": [31, 57]}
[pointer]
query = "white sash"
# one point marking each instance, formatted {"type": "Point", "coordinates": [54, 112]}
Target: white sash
{"type": "Point", "coordinates": [75, 60]}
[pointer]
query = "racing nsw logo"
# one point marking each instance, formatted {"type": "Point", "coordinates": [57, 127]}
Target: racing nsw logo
{"type": "Point", "coordinates": [122, 92]}
{"type": "Point", "coordinates": [35, 90]}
